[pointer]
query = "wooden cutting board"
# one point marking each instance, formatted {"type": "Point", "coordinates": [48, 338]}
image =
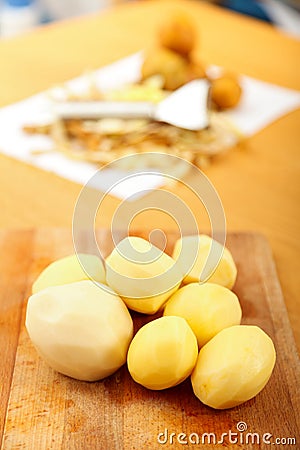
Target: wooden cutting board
{"type": "Point", "coordinates": [41, 409]}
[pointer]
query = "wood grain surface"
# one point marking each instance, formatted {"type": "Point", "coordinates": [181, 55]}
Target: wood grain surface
{"type": "Point", "coordinates": [258, 183]}
{"type": "Point", "coordinates": [43, 410]}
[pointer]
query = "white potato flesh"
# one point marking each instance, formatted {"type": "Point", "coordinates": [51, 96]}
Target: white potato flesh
{"type": "Point", "coordinates": [142, 274]}
{"type": "Point", "coordinates": [208, 308]}
{"type": "Point", "coordinates": [81, 329]}
{"type": "Point", "coordinates": [69, 270]}
{"type": "Point", "coordinates": [162, 353]}
{"type": "Point", "coordinates": [225, 273]}
{"type": "Point", "coordinates": [233, 366]}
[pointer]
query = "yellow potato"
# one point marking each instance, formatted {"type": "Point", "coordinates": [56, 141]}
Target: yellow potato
{"type": "Point", "coordinates": [162, 353]}
{"type": "Point", "coordinates": [225, 273]}
{"type": "Point", "coordinates": [233, 366]}
{"type": "Point", "coordinates": [69, 270]}
{"type": "Point", "coordinates": [208, 308]}
{"type": "Point", "coordinates": [142, 274]}
{"type": "Point", "coordinates": [81, 329]}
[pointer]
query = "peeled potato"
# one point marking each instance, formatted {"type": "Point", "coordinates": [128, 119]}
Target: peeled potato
{"type": "Point", "coordinates": [178, 34]}
{"type": "Point", "coordinates": [225, 273]}
{"type": "Point", "coordinates": [225, 91]}
{"type": "Point", "coordinates": [142, 274]}
{"type": "Point", "coordinates": [81, 329]}
{"type": "Point", "coordinates": [208, 308]}
{"type": "Point", "coordinates": [162, 353]}
{"type": "Point", "coordinates": [69, 270]}
{"type": "Point", "coordinates": [233, 366]}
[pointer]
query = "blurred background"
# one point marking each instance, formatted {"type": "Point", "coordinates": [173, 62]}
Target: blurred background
{"type": "Point", "coordinates": [19, 16]}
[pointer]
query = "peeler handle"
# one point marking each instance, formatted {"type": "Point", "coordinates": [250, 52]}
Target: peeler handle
{"type": "Point", "coordinates": [102, 109]}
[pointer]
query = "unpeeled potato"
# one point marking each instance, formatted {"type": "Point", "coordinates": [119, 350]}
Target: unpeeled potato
{"type": "Point", "coordinates": [69, 270]}
{"type": "Point", "coordinates": [173, 68]}
{"type": "Point", "coordinates": [208, 308]}
{"type": "Point", "coordinates": [81, 329]}
{"type": "Point", "coordinates": [224, 274]}
{"type": "Point", "coordinates": [162, 353]}
{"type": "Point", "coordinates": [178, 33]}
{"type": "Point", "coordinates": [233, 366]}
{"type": "Point", "coordinates": [225, 91]}
{"type": "Point", "coordinates": [142, 274]}
{"type": "Point", "coordinates": [196, 70]}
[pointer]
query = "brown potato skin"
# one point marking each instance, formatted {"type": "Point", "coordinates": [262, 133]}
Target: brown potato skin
{"type": "Point", "coordinates": [173, 67]}
{"type": "Point", "coordinates": [178, 34]}
{"type": "Point", "coordinates": [225, 91]}
{"type": "Point", "coordinates": [196, 70]}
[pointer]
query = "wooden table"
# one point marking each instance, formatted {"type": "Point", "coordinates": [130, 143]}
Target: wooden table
{"type": "Point", "coordinates": [258, 184]}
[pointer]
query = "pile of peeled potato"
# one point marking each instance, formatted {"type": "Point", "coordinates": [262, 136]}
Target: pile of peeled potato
{"type": "Point", "coordinates": [173, 60]}
{"type": "Point", "coordinates": [78, 319]}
